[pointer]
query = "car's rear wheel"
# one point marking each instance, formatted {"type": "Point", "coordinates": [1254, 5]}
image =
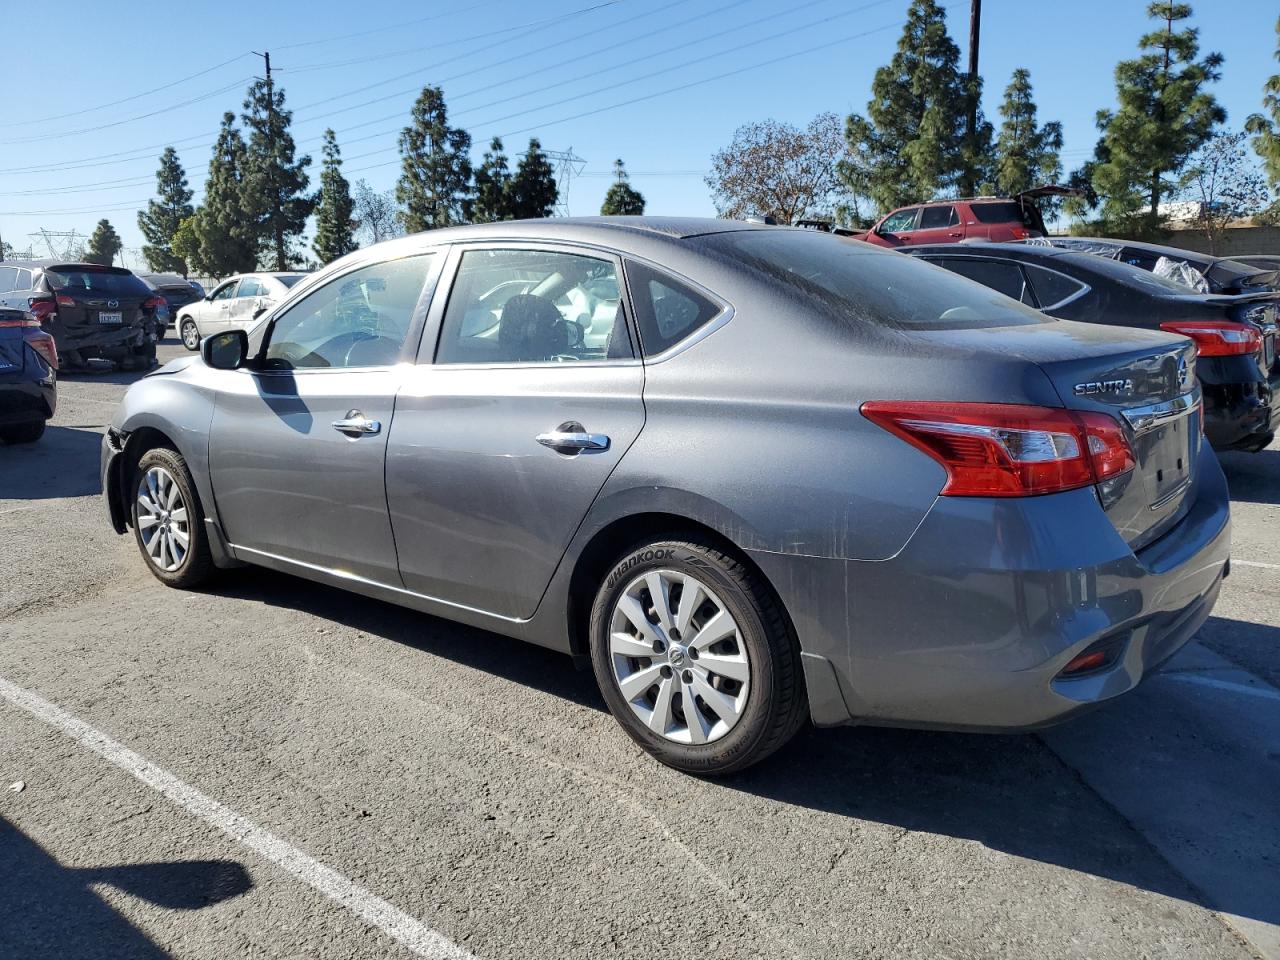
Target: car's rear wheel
{"type": "Point", "coordinates": [168, 522]}
{"type": "Point", "coordinates": [695, 658]}
{"type": "Point", "coordinates": [22, 432]}
{"type": "Point", "coordinates": [190, 334]}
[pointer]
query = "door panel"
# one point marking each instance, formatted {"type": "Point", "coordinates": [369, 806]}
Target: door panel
{"type": "Point", "coordinates": [288, 483]}
{"type": "Point", "coordinates": [482, 511]}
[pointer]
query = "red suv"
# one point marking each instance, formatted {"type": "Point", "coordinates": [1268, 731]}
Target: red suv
{"type": "Point", "coordinates": [978, 218]}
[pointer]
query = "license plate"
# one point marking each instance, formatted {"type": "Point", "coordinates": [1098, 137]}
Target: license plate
{"type": "Point", "coordinates": [111, 317]}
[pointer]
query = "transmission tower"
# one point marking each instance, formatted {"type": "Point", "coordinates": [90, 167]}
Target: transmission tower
{"type": "Point", "coordinates": [70, 242]}
{"type": "Point", "coordinates": [568, 165]}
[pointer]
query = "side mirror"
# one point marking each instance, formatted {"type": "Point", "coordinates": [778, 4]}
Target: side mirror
{"type": "Point", "coordinates": [259, 312]}
{"type": "Point", "coordinates": [225, 351]}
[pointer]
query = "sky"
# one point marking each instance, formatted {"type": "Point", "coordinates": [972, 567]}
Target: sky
{"type": "Point", "coordinates": [661, 84]}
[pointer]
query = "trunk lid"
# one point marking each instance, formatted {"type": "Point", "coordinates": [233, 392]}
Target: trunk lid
{"type": "Point", "coordinates": [1147, 381]}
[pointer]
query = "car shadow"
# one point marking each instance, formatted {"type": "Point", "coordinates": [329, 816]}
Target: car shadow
{"type": "Point", "coordinates": [1254, 477]}
{"type": "Point", "coordinates": [62, 463]}
{"type": "Point", "coordinates": [1010, 793]}
{"type": "Point", "coordinates": [1245, 643]}
{"type": "Point", "coordinates": [50, 912]}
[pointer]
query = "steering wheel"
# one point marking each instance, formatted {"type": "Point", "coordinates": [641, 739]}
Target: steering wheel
{"type": "Point", "coordinates": [357, 336]}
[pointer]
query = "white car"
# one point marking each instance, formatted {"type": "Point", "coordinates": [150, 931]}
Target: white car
{"type": "Point", "coordinates": [236, 302]}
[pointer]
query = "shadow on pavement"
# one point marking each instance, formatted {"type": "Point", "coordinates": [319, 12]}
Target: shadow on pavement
{"type": "Point", "coordinates": [1253, 477]}
{"type": "Point", "coordinates": [62, 463]}
{"type": "Point", "coordinates": [1253, 646]}
{"type": "Point", "coordinates": [51, 911]}
{"type": "Point", "coordinates": [1010, 793]}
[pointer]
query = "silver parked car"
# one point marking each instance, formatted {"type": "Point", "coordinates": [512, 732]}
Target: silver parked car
{"type": "Point", "coordinates": [235, 303]}
{"type": "Point", "coordinates": [752, 473]}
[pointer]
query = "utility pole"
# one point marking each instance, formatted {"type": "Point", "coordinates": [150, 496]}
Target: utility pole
{"type": "Point", "coordinates": [975, 28]}
{"type": "Point", "coordinates": [272, 189]}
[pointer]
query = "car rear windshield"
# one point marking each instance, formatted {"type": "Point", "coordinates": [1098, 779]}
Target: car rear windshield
{"type": "Point", "coordinates": [1004, 211]}
{"type": "Point", "coordinates": [97, 281]}
{"type": "Point", "coordinates": [859, 283]}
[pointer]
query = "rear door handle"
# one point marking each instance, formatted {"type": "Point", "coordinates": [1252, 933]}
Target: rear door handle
{"type": "Point", "coordinates": [357, 423]}
{"type": "Point", "coordinates": [573, 440]}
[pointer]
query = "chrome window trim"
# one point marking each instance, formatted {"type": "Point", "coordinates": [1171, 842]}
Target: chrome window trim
{"type": "Point", "coordinates": [1146, 418]}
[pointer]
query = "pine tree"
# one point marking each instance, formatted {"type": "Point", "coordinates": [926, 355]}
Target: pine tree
{"type": "Point", "coordinates": [160, 221]}
{"type": "Point", "coordinates": [104, 244]}
{"type": "Point", "coordinates": [1165, 115]}
{"type": "Point", "coordinates": [622, 200]}
{"type": "Point", "coordinates": [335, 228]}
{"type": "Point", "coordinates": [492, 186]}
{"type": "Point", "coordinates": [913, 144]}
{"type": "Point", "coordinates": [275, 181]}
{"type": "Point", "coordinates": [1266, 133]}
{"type": "Point", "coordinates": [533, 186]}
{"type": "Point", "coordinates": [1026, 155]}
{"type": "Point", "coordinates": [435, 179]}
{"type": "Point", "coordinates": [226, 237]}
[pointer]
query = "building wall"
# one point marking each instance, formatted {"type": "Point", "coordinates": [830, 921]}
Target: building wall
{"type": "Point", "coordinates": [1239, 240]}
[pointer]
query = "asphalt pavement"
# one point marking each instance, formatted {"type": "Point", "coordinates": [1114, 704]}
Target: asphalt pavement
{"type": "Point", "coordinates": [267, 768]}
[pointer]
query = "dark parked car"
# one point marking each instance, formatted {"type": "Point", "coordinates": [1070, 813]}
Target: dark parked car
{"type": "Point", "coordinates": [752, 474]}
{"type": "Point", "coordinates": [92, 311]}
{"type": "Point", "coordinates": [177, 291]}
{"type": "Point", "coordinates": [954, 221]}
{"type": "Point", "coordinates": [28, 377]}
{"type": "Point", "coordinates": [1259, 261]}
{"type": "Point", "coordinates": [1236, 335]}
{"type": "Point", "coordinates": [1220, 274]}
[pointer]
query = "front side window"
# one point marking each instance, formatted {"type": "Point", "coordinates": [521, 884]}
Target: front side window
{"type": "Point", "coordinates": [667, 310]}
{"type": "Point", "coordinates": [900, 222]}
{"type": "Point", "coordinates": [934, 218]}
{"type": "Point", "coordinates": [360, 319]}
{"type": "Point", "coordinates": [226, 291]}
{"type": "Point", "coordinates": [250, 287]}
{"type": "Point", "coordinates": [533, 306]}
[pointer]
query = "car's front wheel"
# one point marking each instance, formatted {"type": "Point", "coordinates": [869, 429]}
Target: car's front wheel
{"type": "Point", "coordinates": [168, 522]}
{"type": "Point", "coordinates": [190, 334]}
{"type": "Point", "coordinates": [695, 658]}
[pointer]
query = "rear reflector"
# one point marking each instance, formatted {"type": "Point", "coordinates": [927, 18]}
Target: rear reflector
{"type": "Point", "coordinates": [1087, 662]}
{"type": "Point", "coordinates": [1218, 338]}
{"type": "Point", "coordinates": [1009, 450]}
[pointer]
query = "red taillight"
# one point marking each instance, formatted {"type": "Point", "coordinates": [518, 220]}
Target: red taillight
{"type": "Point", "coordinates": [43, 344]}
{"type": "Point", "coordinates": [1218, 338]}
{"type": "Point", "coordinates": [1009, 450]}
{"type": "Point", "coordinates": [41, 308]}
{"type": "Point", "coordinates": [65, 301]}
{"type": "Point", "coordinates": [1020, 233]}
{"type": "Point", "coordinates": [152, 303]}
{"type": "Point", "coordinates": [1087, 662]}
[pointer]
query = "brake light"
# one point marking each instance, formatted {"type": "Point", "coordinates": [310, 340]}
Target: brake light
{"type": "Point", "coordinates": [1020, 233]}
{"type": "Point", "coordinates": [1009, 450]}
{"type": "Point", "coordinates": [152, 303]}
{"type": "Point", "coordinates": [1218, 338]}
{"type": "Point", "coordinates": [43, 344]}
{"type": "Point", "coordinates": [42, 308]}
{"type": "Point", "coordinates": [65, 301]}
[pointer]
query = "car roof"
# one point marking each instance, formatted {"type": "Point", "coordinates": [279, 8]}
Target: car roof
{"type": "Point", "coordinates": [599, 228]}
{"type": "Point", "coordinates": [64, 265]}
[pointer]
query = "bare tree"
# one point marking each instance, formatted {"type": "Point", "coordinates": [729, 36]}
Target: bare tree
{"type": "Point", "coordinates": [1226, 184]}
{"type": "Point", "coordinates": [375, 213]}
{"type": "Point", "coordinates": [776, 169]}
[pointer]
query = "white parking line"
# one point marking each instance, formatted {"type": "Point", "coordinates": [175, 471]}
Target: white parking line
{"type": "Point", "coordinates": [1267, 693]}
{"type": "Point", "coordinates": [413, 934]}
{"type": "Point", "coordinates": [1256, 563]}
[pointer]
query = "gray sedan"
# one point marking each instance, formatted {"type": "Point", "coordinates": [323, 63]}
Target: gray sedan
{"type": "Point", "coordinates": [752, 474]}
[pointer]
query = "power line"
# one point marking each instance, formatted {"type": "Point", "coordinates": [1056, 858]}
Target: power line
{"type": "Point", "coordinates": [136, 96]}
{"type": "Point", "coordinates": [390, 26]}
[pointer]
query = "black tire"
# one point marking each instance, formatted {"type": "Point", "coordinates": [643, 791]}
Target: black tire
{"type": "Point", "coordinates": [196, 565]}
{"type": "Point", "coordinates": [23, 432]}
{"type": "Point", "coordinates": [183, 324]}
{"type": "Point", "coordinates": [145, 355]}
{"type": "Point", "coordinates": [776, 705]}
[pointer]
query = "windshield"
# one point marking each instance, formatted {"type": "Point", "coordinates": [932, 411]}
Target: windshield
{"type": "Point", "coordinates": [857, 283]}
{"type": "Point", "coordinates": [96, 281]}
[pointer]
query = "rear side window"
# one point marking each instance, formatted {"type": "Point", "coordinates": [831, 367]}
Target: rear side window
{"type": "Point", "coordinates": [856, 284]}
{"type": "Point", "coordinates": [8, 279]}
{"type": "Point", "coordinates": [667, 310]}
{"type": "Point", "coordinates": [1002, 212]}
{"type": "Point", "coordinates": [97, 281]}
{"type": "Point", "coordinates": [24, 280]}
{"type": "Point", "coordinates": [932, 218]}
{"type": "Point", "coordinates": [1052, 288]}
{"type": "Point", "coordinates": [250, 287]}
{"type": "Point", "coordinates": [1002, 275]}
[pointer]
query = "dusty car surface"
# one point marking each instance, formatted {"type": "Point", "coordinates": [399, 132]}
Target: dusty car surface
{"type": "Point", "coordinates": [752, 474]}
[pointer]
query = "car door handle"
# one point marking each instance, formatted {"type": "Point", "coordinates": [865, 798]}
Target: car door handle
{"type": "Point", "coordinates": [573, 440]}
{"type": "Point", "coordinates": [955, 234]}
{"type": "Point", "coordinates": [357, 423]}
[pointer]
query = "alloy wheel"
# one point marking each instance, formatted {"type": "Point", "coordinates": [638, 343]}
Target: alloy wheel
{"type": "Point", "coordinates": [678, 657]}
{"type": "Point", "coordinates": [190, 335]}
{"type": "Point", "coordinates": [162, 519]}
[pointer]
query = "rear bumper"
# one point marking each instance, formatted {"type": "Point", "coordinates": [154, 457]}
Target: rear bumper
{"type": "Point", "coordinates": [27, 400]}
{"type": "Point", "coordinates": [970, 625]}
{"type": "Point", "coordinates": [109, 342]}
{"type": "Point", "coordinates": [1242, 415]}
